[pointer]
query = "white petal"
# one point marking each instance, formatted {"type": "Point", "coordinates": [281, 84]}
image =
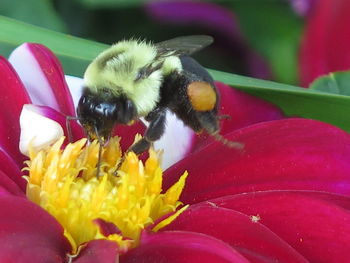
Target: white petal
{"type": "Point", "coordinates": [37, 130]}
{"type": "Point", "coordinates": [76, 86]}
{"type": "Point", "coordinates": [32, 76]}
{"type": "Point", "coordinates": [176, 141]}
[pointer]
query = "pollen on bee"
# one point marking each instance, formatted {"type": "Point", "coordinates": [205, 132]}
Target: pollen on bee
{"type": "Point", "coordinates": [202, 96]}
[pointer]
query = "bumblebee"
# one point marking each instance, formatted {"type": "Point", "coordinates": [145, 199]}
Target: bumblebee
{"type": "Point", "coordinates": [134, 79]}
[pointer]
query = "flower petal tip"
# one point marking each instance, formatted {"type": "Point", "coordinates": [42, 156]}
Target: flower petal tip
{"type": "Point", "coordinates": [37, 131]}
{"type": "Point", "coordinates": [45, 81]}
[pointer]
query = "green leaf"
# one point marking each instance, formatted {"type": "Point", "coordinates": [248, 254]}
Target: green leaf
{"type": "Point", "coordinates": [36, 12]}
{"type": "Point", "coordinates": [294, 101]}
{"type": "Point", "coordinates": [111, 3]}
{"type": "Point", "coordinates": [274, 30]}
{"type": "Point", "coordinates": [74, 53]}
{"type": "Point", "coordinates": [336, 83]}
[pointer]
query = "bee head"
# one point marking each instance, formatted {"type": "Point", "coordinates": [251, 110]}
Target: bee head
{"type": "Point", "coordinates": [99, 113]}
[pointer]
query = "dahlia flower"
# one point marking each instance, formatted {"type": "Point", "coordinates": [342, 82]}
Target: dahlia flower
{"type": "Point", "coordinates": [283, 198]}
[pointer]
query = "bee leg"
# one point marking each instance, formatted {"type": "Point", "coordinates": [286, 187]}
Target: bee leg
{"type": "Point", "coordinates": [99, 157]}
{"type": "Point", "coordinates": [224, 117]}
{"type": "Point", "coordinates": [140, 146]}
{"type": "Point", "coordinates": [155, 130]}
{"type": "Point", "coordinates": [208, 121]}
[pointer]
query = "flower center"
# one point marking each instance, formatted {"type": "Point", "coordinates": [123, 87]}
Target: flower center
{"type": "Point", "coordinates": [116, 205]}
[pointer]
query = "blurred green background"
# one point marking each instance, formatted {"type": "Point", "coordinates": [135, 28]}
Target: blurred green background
{"type": "Point", "coordinates": [257, 38]}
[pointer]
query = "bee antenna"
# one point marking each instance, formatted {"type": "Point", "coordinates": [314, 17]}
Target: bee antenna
{"type": "Point", "coordinates": [231, 144]}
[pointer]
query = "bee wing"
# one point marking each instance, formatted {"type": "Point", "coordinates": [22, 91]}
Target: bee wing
{"type": "Point", "coordinates": [185, 45]}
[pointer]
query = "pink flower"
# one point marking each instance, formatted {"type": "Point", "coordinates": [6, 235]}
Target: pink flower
{"type": "Point", "coordinates": [325, 45]}
{"type": "Point", "coordinates": [283, 198]}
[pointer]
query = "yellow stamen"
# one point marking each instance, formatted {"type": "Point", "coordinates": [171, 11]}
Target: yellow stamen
{"type": "Point", "coordinates": [168, 220]}
{"type": "Point", "coordinates": [64, 183]}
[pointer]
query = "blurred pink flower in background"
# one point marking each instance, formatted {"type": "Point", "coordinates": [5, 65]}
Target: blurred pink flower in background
{"type": "Point", "coordinates": [303, 7]}
{"type": "Point", "coordinates": [326, 40]}
{"type": "Point", "coordinates": [217, 21]}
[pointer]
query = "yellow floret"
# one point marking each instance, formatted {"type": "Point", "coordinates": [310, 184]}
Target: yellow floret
{"type": "Point", "coordinates": [64, 182]}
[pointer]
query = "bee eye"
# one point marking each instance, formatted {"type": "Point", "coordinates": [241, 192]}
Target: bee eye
{"type": "Point", "coordinates": [126, 112]}
{"type": "Point", "coordinates": [84, 100]}
{"type": "Point", "coordinates": [85, 105]}
{"type": "Point", "coordinates": [130, 110]}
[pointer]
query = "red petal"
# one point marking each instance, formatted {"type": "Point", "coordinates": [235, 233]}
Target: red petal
{"type": "Point", "coordinates": [107, 228]}
{"type": "Point", "coordinates": [181, 246]}
{"type": "Point", "coordinates": [29, 234]}
{"type": "Point", "coordinates": [326, 40]}
{"type": "Point", "coordinates": [11, 169]}
{"type": "Point", "coordinates": [52, 69]}
{"type": "Point", "coordinates": [242, 110]}
{"type": "Point", "coordinates": [13, 97]}
{"type": "Point", "coordinates": [284, 154]}
{"type": "Point", "coordinates": [316, 227]}
{"type": "Point", "coordinates": [127, 133]}
{"type": "Point", "coordinates": [7, 186]}
{"type": "Point", "coordinates": [97, 251]}
{"type": "Point", "coordinates": [253, 240]}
